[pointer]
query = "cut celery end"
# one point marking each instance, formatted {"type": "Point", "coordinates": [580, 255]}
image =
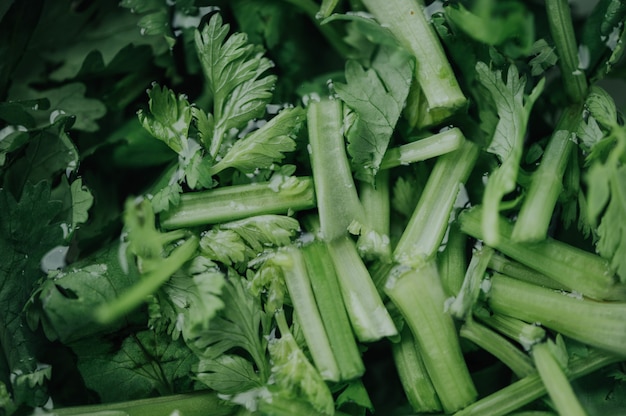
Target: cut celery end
{"type": "Point", "coordinates": [419, 296]}
{"type": "Point", "coordinates": [369, 318]}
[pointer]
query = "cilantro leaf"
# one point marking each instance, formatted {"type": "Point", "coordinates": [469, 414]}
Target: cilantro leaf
{"type": "Point", "coordinates": [234, 70]}
{"type": "Point", "coordinates": [143, 365]}
{"type": "Point", "coordinates": [377, 96]}
{"type": "Point", "coordinates": [265, 146]}
{"type": "Point", "coordinates": [513, 109]}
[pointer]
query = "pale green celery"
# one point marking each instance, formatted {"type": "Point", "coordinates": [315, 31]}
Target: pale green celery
{"type": "Point", "coordinates": [562, 31]}
{"type": "Point", "coordinates": [582, 271]}
{"type": "Point", "coordinates": [554, 379]}
{"type": "Point", "coordinates": [546, 183]}
{"type": "Point", "coordinates": [408, 23]}
{"type": "Point", "coordinates": [373, 242]}
{"type": "Point", "coordinates": [530, 388]}
{"type": "Point", "coordinates": [526, 334]}
{"type": "Point", "coordinates": [427, 226]}
{"type": "Point", "coordinates": [452, 261]}
{"type": "Point", "coordinates": [466, 298]}
{"type": "Point", "coordinates": [332, 310]}
{"type": "Point", "coordinates": [369, 318]}
{"type": "Point", "coordinates": [508, 267]}
{"type": "Point", "coordinates": [235, 202]}
{"type": "Point", "coordinates": [149, 283]}
{"type": "Point", "coordinates": [501, 348]}
{"type": "Point", "coordinates": [422, 149]}
{"type": "Point", "coordinates": [337, 199]}
{"type": "Point", "coordinates": [200, 403]}
{"type": "Point", "coordinates": [419, 296]}
{"type": "Point", "coordinates": [291, 261]}
{"type": "Point", "coordinates": [600, 324]}
{"type": "Point", "coordinates": [413, 375]}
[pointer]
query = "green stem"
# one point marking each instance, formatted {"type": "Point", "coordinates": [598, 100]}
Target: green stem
{"type": "Point", "coordinates": [419, 297]}
{"type": "Point", "coordinates": [469, 293]}
{"type": "Point", "coordinates": [235, 202]}
{"type": "Point", "coordinates": [422, 149]}
{"type": "Point", "coordinates": [373, 242]}
{"type": "Point", "coordinates": [427, 226]}
{"type": "Point", "coordinates": [554, 379]}
{"type": "Point", "coordinates": [298, 284]}
{"type": "Point", "coordinates": [562, 31]}
{"type": "Point", "coordinates": [524, 333]}
{"type": "Point", "coordinates": [337, 199]}
{"type": "Point", "coordinates": [413, 375]}
{"type": "Point", "coordinates": [547, 181]}
{"type": "Point", "coordinates": [503, 265]}
{"type": "Point", "coordinates": [147, 285]}
{"type": "Point", "coordinates": [434, 74]}
{"type": "Point", "coordinates": [452, 261]}
{"type": "Point", "coordinates": [332, 310]}
{"type": "Point", "coordinates": [601, 324]}
{"type": "Point", "coordinates": [574, 268]}
{"type": "Point", "coordinates": [192, 404]}
{"type": "Point", "coordinates": [499, 347]}
{"type": "Point", "coordinates": [530, 388]}
{"type": "Point", "coordinates": [369, 317]}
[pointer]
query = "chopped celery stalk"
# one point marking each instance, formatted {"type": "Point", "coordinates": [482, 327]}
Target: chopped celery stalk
{"type": "Point", "coordinates": [501, 348]}
{"type": "Point", "coordinates": [235, 202]}
{"type": "Point", "coordinates": [407, 22]}
{"type": "Point", "coordinates": [413, 375]}
{"type": "Point", "coordinates": [337, 199]}
{"type": "Point", "coordinates": [369, 317]}
{"type": "Point", "coordinates": [562, 31]}
{"type": "Point", "coordinates": [422, 149]}
{"type": "Point", "coordinates": [332, 310]}
{"type": "Point", "coordinates": [452, 261]}
{"type": "Point", "coordinates": [526, 334]}
{"type": "Point", "coordinates": [466, 298]}
{"type": "Point", "coordinates": [530, 388]}
{"type": "Point", "coordinates": [419, 297]}
{"type": "Point", "coordinates": [373, 242]}
{"type": "Point", "coordinates": [508, 267]}
{"type": "Point", "coordinates": [137, 294]}
{"type": "Point", "coordinates": [574, 268]}
{"type": "Point", "coordinates": [546, 183]}
{"type": "Point", "coordinates": [429, 221]}
{"type": "Point", "coordinates": [554, 379]}
{"type": "Point", "coordinates": [600, 324]}
{"type": "Point", "coordinates": [291, 261]}
{"type": "Point", "coordinates": [202, 402]}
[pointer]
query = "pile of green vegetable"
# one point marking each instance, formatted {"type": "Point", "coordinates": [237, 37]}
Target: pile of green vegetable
{"type": "Point", "coordinates": [289, 207]}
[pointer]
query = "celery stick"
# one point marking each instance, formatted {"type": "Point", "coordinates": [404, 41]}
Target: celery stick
{"type": "Point", "coordinates": [332, 310]}
{"type": "Point", "coordinates": [574, 268]}
{"type": "Point", "coordinates": [240, 201]}
{"type": "Point", "coordinates": [600, 324]}
{"type": "Point", "coordinates": [419, 296]}
{"type": "Point", "coordinates": [526, 334]}
{"type": "Point", "coordinates": [422, 149]}
{"type": "Point", "coordinates": [429, 221]}
{"type": "Point", "coordinates": [337, 199]}
{"type": "Point", "coordinates": [408, 23]}
{"type": "Point", "coordinates": [413, 375]}
{"type": "Point", "coordinates": [554, 379]}
{"type": "Point", "coordinates": [547, 181]}
{"type": "Point", "coordinates": [530, 388]}
{"type": "Point", "coordinates": [503, 265]}
{"type": "Point", "coordinates": [369, 317]}
{"type": "Point", "coordinates": [452, 261]}
{"type": "Point", "coordinates": [291, 261]}
{"type": "Point", "coordinates": [373, 242]}
{"type": "Point", "coordinates": [467, 296]}
{"type": "Point", "coordinates": [492, 342]}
